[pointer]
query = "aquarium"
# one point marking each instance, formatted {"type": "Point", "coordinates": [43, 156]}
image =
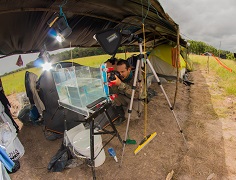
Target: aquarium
{"type": "Point", "coordinates": [78, 87]}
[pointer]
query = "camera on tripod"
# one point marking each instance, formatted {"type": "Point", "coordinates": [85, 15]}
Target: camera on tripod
{"type": "Point", "coordinates": [113, 75]}
{"type": "Point", "coordinates": [133, 60]}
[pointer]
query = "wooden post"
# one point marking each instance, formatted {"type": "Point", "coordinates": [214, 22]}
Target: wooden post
{"type": "Point", "coordinates": [177, 66]}
{"type": "Point", "coordinates": [208, 64]}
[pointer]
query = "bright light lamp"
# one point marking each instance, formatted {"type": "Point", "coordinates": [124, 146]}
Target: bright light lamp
{"type": "Point", "coordinates": [47, 66]}
{"type": "Point", "coordinates": [60, 38]}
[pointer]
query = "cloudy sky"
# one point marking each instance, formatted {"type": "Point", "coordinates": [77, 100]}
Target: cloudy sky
{"type": "Point", "coordinates": [210, 21]}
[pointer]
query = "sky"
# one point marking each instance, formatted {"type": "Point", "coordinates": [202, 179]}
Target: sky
{"type": "Point", "coordinates": [209, 21]}
{"type": "Point", "coordinates": [8, 64]}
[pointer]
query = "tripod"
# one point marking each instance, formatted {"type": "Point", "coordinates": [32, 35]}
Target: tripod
{"type": "Point", "coordinates": [138, 71]}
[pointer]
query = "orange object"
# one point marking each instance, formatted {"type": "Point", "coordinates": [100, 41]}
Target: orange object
{"type": "Point", "coordinates": [226, 67]}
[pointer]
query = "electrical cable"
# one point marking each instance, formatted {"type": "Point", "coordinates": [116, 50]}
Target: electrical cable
{"type": "Point", "coordinates": [145, 85]}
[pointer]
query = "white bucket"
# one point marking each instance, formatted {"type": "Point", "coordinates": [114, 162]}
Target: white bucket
{"type": "Point", "coordinates": [81, 143]}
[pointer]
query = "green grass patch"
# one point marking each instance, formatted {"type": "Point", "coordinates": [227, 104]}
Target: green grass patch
{"type": "Point", "coordinates": [96, 61]}
{"type": "Point", "coordinates": [227, 79]}
{"type": "Point", "coordinates": [15, 83]}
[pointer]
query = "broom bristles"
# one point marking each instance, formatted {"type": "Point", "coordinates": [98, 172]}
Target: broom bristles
{"type": "Point", "coordinates": [144, 142]}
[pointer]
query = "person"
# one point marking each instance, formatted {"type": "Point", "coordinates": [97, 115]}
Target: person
{"type": "Point", "coordinates": [123, 88]}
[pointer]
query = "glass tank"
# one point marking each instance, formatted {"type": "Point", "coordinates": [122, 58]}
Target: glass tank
{"type": "Point", "coordinates": [79, 86]}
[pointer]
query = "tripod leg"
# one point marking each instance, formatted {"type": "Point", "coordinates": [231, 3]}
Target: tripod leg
{"type": "Point", "coordinates": [139, 83]}
{"type": "Point", "coordinates": [92, 159]}
{"type": "Point", "coordinates": [130, 107]}
{"type": "Point", "coordinates": [171, 108]}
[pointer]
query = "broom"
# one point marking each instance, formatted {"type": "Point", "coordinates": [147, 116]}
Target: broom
{"type": "Point", "coordinates": [148, 138]}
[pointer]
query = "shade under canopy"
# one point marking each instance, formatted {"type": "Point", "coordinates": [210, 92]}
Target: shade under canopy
{"type": "Point", "coordinates": [24, 27]}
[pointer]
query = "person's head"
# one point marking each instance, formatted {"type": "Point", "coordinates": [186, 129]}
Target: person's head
{"type": "Point", "coordinates": [124, 68]}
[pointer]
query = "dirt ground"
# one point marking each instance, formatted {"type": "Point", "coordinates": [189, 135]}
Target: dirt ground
{"type": "Point", "coordinates": [204, 113]}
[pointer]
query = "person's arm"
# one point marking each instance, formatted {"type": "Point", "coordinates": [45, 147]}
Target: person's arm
{"type": "Point", "coordinates": [126, 89]}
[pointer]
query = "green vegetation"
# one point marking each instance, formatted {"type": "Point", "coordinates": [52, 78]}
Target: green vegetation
{"type": "Point", "coordinates": [198, 47]}
{"type": "Point", "coordinates": [226, 78]}
{"type": "Point", "coordinates": [95, 61]}
{"type": "Point", "coordinates": [84, 52]}
{"type": "Point", "coordinates": [15, 82]}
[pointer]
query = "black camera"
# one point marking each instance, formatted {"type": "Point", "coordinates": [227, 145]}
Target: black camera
{"type": "Point", "coordinates": [112, 76]}
{"type": "Point", "coordinates": [133, 61]}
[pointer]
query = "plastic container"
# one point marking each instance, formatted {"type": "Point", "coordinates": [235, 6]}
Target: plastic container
{"type": "Point", "coordinates": [15, 149]}
{"type": "Point", "coordinates": [11, 142]}
{"type": "Point", "coordinates": [81, 143]}
{"type": "Point", "coordinates": [78, 87]}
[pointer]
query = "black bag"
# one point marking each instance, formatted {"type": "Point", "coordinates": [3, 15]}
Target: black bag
{"type": "Point", "coordinates": [23, 115]}
{"type": "Point", "coordinates": [60, 160]}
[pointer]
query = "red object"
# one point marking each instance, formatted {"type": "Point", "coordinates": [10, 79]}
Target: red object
{"type": "Point", "coordinates": [111, 83]}
{"type": "Point", "coordinates": [113, 96]}
{"type": "Point", "coordinates": [110, 69]}
{"type": "Point", "coordinates": [98, 105]}
{"type": "Point", "coordinates": [19, 61]}
{"type": "Point", "coordinates": [223, 65]}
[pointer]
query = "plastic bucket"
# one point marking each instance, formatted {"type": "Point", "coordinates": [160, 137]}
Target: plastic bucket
{"type": "Point", "coordinates": [81, 143]}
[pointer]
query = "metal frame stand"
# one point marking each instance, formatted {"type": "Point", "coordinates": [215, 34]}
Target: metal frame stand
{"type": "Point", "coordinates": [114, 132]}
{"type": "Point", "coordinates": [137, 70]}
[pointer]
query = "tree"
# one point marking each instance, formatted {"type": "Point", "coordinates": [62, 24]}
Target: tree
{"type": "Point", "coordinates": [198, 47]}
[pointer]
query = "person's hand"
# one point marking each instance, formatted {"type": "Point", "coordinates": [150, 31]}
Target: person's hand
{"type": "Point", "coordinates": [117, 81]}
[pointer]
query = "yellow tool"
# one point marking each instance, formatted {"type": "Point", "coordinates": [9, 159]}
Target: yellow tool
{"type": "Point", "coordinates": [144, 142]}
{"type": "Point", "coordinates": [54, 20]}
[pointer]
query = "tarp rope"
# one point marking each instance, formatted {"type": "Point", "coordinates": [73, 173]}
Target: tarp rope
{"type": "Point", "coordinates": [145, 84]}
{"type": "Point", "coordinates": [145, 68]}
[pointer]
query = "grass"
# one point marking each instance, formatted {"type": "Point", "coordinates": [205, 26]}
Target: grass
{"type": "Point", "coordinates": [226, 78]}
{"type": "Point", "coordinates": [15, 83]}
{"type": "Point", "coordinates": [95, 61]}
